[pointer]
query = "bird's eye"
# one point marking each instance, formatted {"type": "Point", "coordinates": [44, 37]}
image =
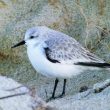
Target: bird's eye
{"type": "Point", "coordinates": [31, 37]}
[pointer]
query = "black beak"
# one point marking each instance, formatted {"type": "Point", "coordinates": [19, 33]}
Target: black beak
{"type": "Point", "coordinates": [18, 44]}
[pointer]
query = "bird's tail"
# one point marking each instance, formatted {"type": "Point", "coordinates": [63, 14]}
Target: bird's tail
{"type": "Point", "coordinates": [94, 64]}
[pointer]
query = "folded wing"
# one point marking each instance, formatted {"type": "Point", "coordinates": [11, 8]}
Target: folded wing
{"type": "Point", "coordinates": [66, 50]}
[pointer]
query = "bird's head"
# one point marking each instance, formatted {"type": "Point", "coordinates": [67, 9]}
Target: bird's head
{"type": "Point", "coordinates": [32, 36]}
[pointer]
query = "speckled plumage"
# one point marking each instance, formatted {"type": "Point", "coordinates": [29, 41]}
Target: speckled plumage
{"type": "Point", "coordinates": [56, 54]}
{"type": "Point", "coordinates": [67, 50]}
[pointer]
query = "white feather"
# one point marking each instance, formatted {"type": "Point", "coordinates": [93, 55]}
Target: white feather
{"type": "Point", "coordinates": [45, 37]}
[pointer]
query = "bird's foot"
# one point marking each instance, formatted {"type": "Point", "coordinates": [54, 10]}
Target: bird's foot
{"type": "Point", "coordinates": [53, 97]}
{"type": "Point", "coordinates": [61, 96]}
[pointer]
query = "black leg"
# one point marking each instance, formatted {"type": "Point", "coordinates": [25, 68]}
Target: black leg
{"type": "Point", "coordinates": [64, 86]}
{"type": "Point", "coordinates": [55, 86]}
{"type": "Point", "coordinates": [53, 94]}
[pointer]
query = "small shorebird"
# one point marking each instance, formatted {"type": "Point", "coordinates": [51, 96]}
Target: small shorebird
{"type": "Point", "coordinates": [55, 54]}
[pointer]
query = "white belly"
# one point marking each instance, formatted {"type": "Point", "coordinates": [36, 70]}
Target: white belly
{"type": "Point", "coordinates": [44, 66]}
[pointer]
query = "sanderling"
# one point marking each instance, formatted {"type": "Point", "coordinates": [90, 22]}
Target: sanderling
{"type": "Point", "coordinates": [55, 54]}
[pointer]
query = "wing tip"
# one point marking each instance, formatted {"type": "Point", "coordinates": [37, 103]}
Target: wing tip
{"type": "Point", "coordinates": [94, 64]}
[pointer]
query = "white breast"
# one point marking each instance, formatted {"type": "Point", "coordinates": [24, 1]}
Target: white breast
{"type": "Point", "coordinates": [44, 66]}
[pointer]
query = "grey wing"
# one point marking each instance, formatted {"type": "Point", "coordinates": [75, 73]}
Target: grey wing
{"type": "Point", "coordinates": [67, 50]}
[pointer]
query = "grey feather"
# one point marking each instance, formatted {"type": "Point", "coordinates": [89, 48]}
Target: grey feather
{"type": "Point", "coordinates": [66, 49]}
